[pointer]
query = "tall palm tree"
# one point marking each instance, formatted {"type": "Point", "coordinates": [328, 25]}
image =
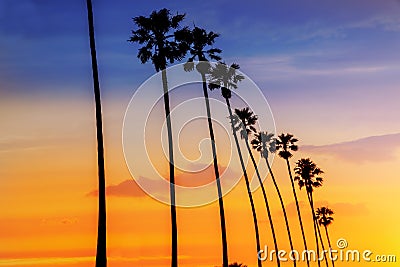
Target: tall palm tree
{"type": "Point", "coordinates": [101, 252]}
{"type": "Point", "coordinates": [285, 144]}
{"type": "Point", "coordinates": [324, 217]}
{"type": "Point", "coordinates": [308, 176]}
{"type": "Point", "coordinates": [159, 34]}
{"type": "Point", "coordinates": [200, 47]}
{"type": "Point", "coordinates": [265, 144]}
{"type": "Point", "coordinates": [224, 77]}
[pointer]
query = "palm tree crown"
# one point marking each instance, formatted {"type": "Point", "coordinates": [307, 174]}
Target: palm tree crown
{"type": "Point", "coordinates": [324, 216]}
{"type": "Point", "coordinates": [264, 143]}
{"type": "Point", "coordinates": [199, 39]}
{"type": "Point", "coordinates": [308, 174]}
{"type": "Point", "coordinates": [224, 77]}
{"type": "Point", "coordinates": [244, 120]}
{"type": "Point", "coordinates": [286, 143]}
{"type": "Point", "coordinates": [160, 43]}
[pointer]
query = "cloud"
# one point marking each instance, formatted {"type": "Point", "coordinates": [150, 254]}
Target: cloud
{"type": "Point", "coordinates": [131, 188]}
{"type": "Point", "coordinates": [339, 208]}
{"type": "Point", "coordinates": [127, 188]}
{"type": "Point", "coordinates": [345, 209]}
{"type": "Point", "coordinates": [369, 149]}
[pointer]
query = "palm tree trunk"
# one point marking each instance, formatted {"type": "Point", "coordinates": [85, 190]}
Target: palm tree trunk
{"type": "Point", "coordinates": [322, 242]}
{"type": "Point", "coordinates": [101, 252]}
{"type": "Point", "coordinates": [263, 191]}
{"type": "Point", "coordinates": [246, 178]}
{"type": "Point", "coordinates": [174, 230]}
{"type": "Point", "coordinates": [329, 244]}
{"type": "Point", "coordinates": [314, 224]}
{"type": "Point", "coordinates": [298, 209]}
{"type": "Point", "coordinates": [283, 208]}
{"type": "Point", "coordinates": [318, 231]}
{"type": "Point", "coordinates": [225, 262]}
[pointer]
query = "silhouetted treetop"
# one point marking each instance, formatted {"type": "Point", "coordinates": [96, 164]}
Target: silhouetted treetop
{"type": "Point", "coordinates": [162, 38]}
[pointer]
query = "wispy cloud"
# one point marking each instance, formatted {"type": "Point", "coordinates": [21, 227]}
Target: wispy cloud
{"type": "Point", "coordinates": [369, 149]}
{"type": "Point", "coordinates": [340, 208]}
{"type": "Point", "coordinates": [131, 188]}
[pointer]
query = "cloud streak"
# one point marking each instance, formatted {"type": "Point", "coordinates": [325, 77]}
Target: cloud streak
{"type": "Point", "coordinates": [369, 149]}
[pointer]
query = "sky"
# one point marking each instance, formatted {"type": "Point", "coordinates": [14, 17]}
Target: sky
{"type": "Point", "coordinates": [327, 72]}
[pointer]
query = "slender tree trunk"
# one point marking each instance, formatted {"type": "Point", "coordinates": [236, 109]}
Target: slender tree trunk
{"type": "Point", "coordinates": [246, 178]}
{"type": "Point", "coordinates": [283, 208]}
{"type": "Point", "coordinates": [101, 252]}
{"type": "Point", "coordinates": [318, 230]}
{"type": "Point", "coordinates": [314, 225]}
{"type": "Point", "coordinates": [263, 191]}
{"type": "Point", "coordinates": [322, 242]}
{"type": "Point", "coordinates": [329, 244]}
{"type": "Point", "coordinates": [298, 209]}
{"type": "Point", "coordinates": [174, 230]}
{"type": "Point", "coordinates": [220, 199]}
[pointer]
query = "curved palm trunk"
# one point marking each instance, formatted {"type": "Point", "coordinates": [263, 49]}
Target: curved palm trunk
{"type": "Point", "coordinates": [283, 208]}
{"type": "Point", "coordinates": [174, 230]}
{"type": "Point", "coordinates": [315, 225]}
{"type": "Point", "coordinates": [246, 178]}
{"type": "Point", "coordinates": [263, 191]}
{"type": "Point", "coordinates": [318, 230]}
{"type": "Point", "coordinates": [216, 171]}
{"type": "Point", "coordinates": [329, 244]}
{"type": "Point", "coordinates": [298, 208]}
{"type": "Point", "coordinates": [101, 252]}
{"type": "Point", "coordinates": [322, 243]}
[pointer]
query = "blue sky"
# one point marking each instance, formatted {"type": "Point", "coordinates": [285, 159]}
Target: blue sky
{"type": "Point", "coordinates": [44, 42]}
{"type": "Point", "coordinates": [338, 57]}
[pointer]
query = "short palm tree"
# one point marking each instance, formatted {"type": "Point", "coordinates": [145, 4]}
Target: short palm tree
{"type": "Point", "coordinates": [101, 252]}
{"type": "Point", "coordinates": [159, 34]}
{"type": "Point", "coordinates": [244, 121]}
{"type": "Point", "coordinates": [264, 143]}
{"type": "Point", "coordinates": [324, 217]}
{"type": "Point", "coordinates": [308, 176]}
{"type": "Point", "coordinates": [285, 144]}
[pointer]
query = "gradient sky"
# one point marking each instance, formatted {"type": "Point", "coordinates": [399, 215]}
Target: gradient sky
{"type": "Point", "coordinates": [329, 70]}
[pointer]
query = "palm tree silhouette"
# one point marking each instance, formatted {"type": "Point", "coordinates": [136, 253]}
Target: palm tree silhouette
{"type": "Point", "coordinates": [200, 41]}
{"type": "Point", "coordinates": [324, 217]}
{"type": "Point", "coordinates": [308, 176]}
{"type": "Point", "coordinates": [244, 121]}
{"type": "Point", "coordinates": [285, 143]}
{"type": "Point", "coordinates": [225, 78]}
{"type": "Point", "coordinates": [265, 143]}
{"type": "Point", "coordinates": [160, 36]}
{"type": "Point", "coordinates": [101, 251]}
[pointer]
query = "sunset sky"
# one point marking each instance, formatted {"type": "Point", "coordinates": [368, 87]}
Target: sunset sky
{"type": "Point", "coordinates": [329, 71]}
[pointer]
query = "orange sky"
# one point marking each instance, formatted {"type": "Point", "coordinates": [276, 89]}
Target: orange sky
{"type": "Point", "coordinates": [49, 217]}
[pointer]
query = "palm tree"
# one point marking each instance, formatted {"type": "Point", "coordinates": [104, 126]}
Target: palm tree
{"type": "Point", "coordinates": [308, 176]}
{"type": "Point", "coordinates": [285, 143]}
{"type": "Point", "coordinates": [225, 77]}
{"type": "Point", "coordinates": [324, 217]}
{"type": "Point", "coordinates": [266, 144]}
{"type": "Point", "coordinates": [200, 41]}
{"type": "Point", "coordinates": [159, 34]}
{"type": "Point", "coordinates": [101, 252]}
